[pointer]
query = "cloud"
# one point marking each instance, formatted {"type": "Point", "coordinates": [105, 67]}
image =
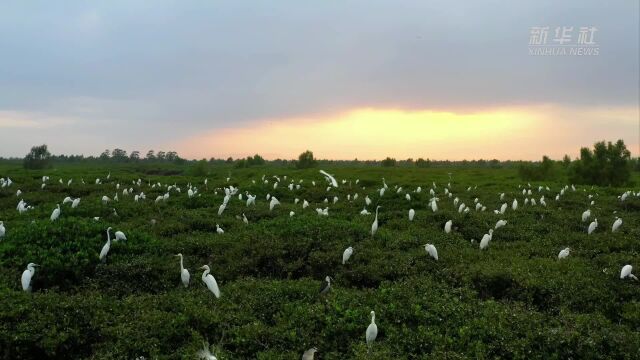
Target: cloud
{"type": "Point", "coordinates": [13, 119]}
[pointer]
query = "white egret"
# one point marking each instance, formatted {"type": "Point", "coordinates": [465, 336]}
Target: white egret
{"type": "Point", "coordinates": [106, 247]}
{"type": "Point", "coordinates": [486, 239]}
{"type": "Point", "coordinates": [2, 229]}
{"type": "Point", "coordinates": [325, 287]}
{"type": "Point", "coordinates": [329, 178]}
{"type": "Point", "coordinates": [309, 354]}
{"type": "Point", "coordinates": [75, 203]}
{"type": "Point", "coordinates": [205, 353]}
{"type": "Point", "coordinates": [503, 208]}
{"type": "Point", "coordinates": [364, 212]}
{"type": "Point", "coordinates": [291, 213]}
{"type": "Point", "coordinates": [372, 330]}
{"type": "Point", "coordinates": [244, 219]}
{"type": "Point", "coordinates": [273, 203]}
{"type": "Point", "coordinates": [431, 250]}
{"type": "Point", "coordinates": [616, 225]}
{"type": "Point", "coordinates": [67, 200]}
{"type": "Point", "coordinates": [592, 226]}
{"type": "Point", "coordinates": [585, 215]}
{"type": "Point", "coordinates": [305, 204]}
{"type": "Point", "coordinates": [27, 275]}
{"type": "Point", "coordinates": [374, 226]}
{"type": "Point", "coordinates": [219, 229]}
{"type": "Point", "coordinates": [210, 281]}
{"type": "Point", "coordinates": [447, 226]}
{"type": "Point", "coordinates": [184, 273]}
{"type": "Point", "coordinates": [120, 236]}
{"type": "Point", "coordinates": [514, 206]}
{"type": "Point", "coordinates": [56, 213]}
{"type": "Point", "coordinates": [500, 224]}
{"type": "Point", "coordinates": [626, 272]}
{"type": "Point", "coordinates": [347, 254]}
{"type": "Point", "coordinates": [412, 213]}
{"type": "Point", "coordinates": [564, 253]}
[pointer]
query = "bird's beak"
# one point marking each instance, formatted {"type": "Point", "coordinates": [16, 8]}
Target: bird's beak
{"type": "Point", "coordinates": [36, 265]}
{"type": "Point", "coordinates": [202, 268]}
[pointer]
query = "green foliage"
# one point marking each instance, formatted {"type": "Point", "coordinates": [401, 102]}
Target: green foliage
{"type": "Point", "coordinates": [542, 171]}
{"type": "Point", "coordinates": [37, 158]}
{"type": "Point", "coordinates": [306, 160]}
{"type": "Point", "coordinates": [388, 162]}
{"type": "Point", "coordinates": [200, 168]}
{"type": "Point", "coordinates": [608, 164]}
{"type": "Point", "coordinates": [514, 300]}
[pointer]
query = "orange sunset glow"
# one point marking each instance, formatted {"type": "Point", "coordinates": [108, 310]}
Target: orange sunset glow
{"type": "Point", "coordinates": [369, 133]}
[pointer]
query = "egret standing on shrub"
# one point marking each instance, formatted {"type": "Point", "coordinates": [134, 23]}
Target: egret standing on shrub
{"type": "Point", "coordinates": [309, 354]}
{"type": "Point", "coordinates": [431, 250]}
{"type": "Point", "coordinates": [447, 226]}
{"type": "Point", "coordinates": [372, 331]}
{"type": "Point", "coordinates": [106, 247]}
{"type": "Point", "coordinates": [616, 225]}
{"type": "Point", "coordinates": [2, 229]}
{"type": "Point", "coordinates": [28, 274]}
{"type": "Point", "coordinates": [184, 273]}
{"type": "Point", "coordinates": [56, 213]}
{"type": "Point", "coordinates": [592, 226]}
{"type": "Point", "coordinates": [374, 226]}
{"type": "Point", "coordinates": [626, 272]}
{"type": "Point", "coordinates": [210, 281]}
{"type": "Point", "coordinates": [325, 287]}
{"type": "Point", "coordinates": [564, 253]}
{"type": "Point", "coordinates": [347, 254]}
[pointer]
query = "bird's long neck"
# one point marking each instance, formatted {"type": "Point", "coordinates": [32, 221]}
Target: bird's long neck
{"type": "Point", "coordinates": [373, 318]}
{"type": "Point", "coordinates": [205, 273]}
{"type": "Point", "coordinates": [181, 266]}
{"type": "Point", "coordinates": [376, 213]}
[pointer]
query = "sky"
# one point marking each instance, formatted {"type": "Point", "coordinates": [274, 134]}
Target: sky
{"type": "Point", "coordinates": [345, 79]}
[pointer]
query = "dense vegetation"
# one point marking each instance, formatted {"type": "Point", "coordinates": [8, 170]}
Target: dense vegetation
{"type": "Point", "coordinates": [513, 300]}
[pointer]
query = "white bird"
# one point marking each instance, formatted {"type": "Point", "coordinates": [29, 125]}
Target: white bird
{"type": "Point", "coordinates": [221, 208]}
{"type": "Point", "coordinates": [56, 213]}
{"type": "Point", "coordinates": [563, 253]}
{"type": "Point", "coordinates": [2, 229]}
{"type": "Point", "coordinates": [67, 200]}
{"type": "Point", "coordinates": [374, 226]}
{"type": "Point", "coordinates": [447, 226]}
{"type": "Point", "coordinates": [626, 272]}
{"type": "Point", "coordinates": [486, 239]}
{"type": "Point", "coordinates": [585, 215]}
{"type": "Point", "coordinates": [273, 203]}
{"type": "Point", "coordinates": [347, 254]}
{"type": "Point", "coordinates": [28, 274]}
{"type": "Point", "coordinates": [616, 225]}
{"type": "Point", "coordinates": [500, 224]}
{"type": "Point", "coordinates": [372, 331]}
{"type": "Point", "coordinates": [367, 200]}
{"type": "Point", "coordinates": [120, 236]}
{"type": "Point", "coordinates": [210, 281]}
{"type": "Point", "coordinates": [244, 219]}
{"type": "Point", "coordinates": [503, 208]}
{"type": "Point", "coordinates": [184, 273]}
{"type": "Point", "coordinates": [309, 354]}
{"type": "Point", "coordinates": [205, 353]}
{"type": "Point", "coordinates": [330, 178]}
{"type": "Point", "coordinates": [431, 250]}
{"type": "Point", "coordinates": [106, 247]}
{"type": "Point", "coordinates": [325, 287]}
{"type": "Point", "coordinates": [305, 204]}
{"type": "Point", "coordinates": [592, 226]}
{"type": "Point", "coordinates": [412, 213]}
{"type": "Point", "coordinates": [219, 229]}
{"type": "Point", "coordinates": [75, 203]}
{"type": "Point", "coordinates": [291, 213]}
{"type": "Point", "coordinates": [364, 212]}
{"type": "Point", "coordinates": [514, 206]}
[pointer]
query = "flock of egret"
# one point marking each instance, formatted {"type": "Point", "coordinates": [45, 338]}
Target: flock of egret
{"type": "Point", "coordinates": [230, 191]}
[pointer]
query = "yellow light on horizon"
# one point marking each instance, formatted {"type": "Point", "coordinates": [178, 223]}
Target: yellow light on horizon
{"type": "Point", "coordinates": [369, 133]}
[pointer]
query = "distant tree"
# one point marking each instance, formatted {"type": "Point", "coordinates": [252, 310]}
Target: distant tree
{"type": "Point", "coordinates": [171, 156]}
{"type": "Point", "coordinates": [151, 155]}
{"type": "Point", "coordinates": [566, 161]}
{"type": "Point", "coordinates": [135, 155]}
{"type": "Point", "coordinates": [106, 155]}
{"type": "Point", "coordinates": [119, 155]}
{"type": "Point", "coordinates": [423, 163]}
{"type": "Point", "coordinates": [200, 168]}
{"type": "Point", "coordinates": [255, 160]}
{"type": "Point", "coordinates": [229, 160]}
{"type": "Point", "coordinates": [543, 171]}
{"type": "Point", "coordinates": [388, 162]}
{"type": "Point", "coordinates": [161, 155]}
{"type": "Point", "coordinates": [607, 164]}
{"type": "Point", "coordinates": [306, 160]}
{"type": "Point", "coordinates": [37, 158]}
